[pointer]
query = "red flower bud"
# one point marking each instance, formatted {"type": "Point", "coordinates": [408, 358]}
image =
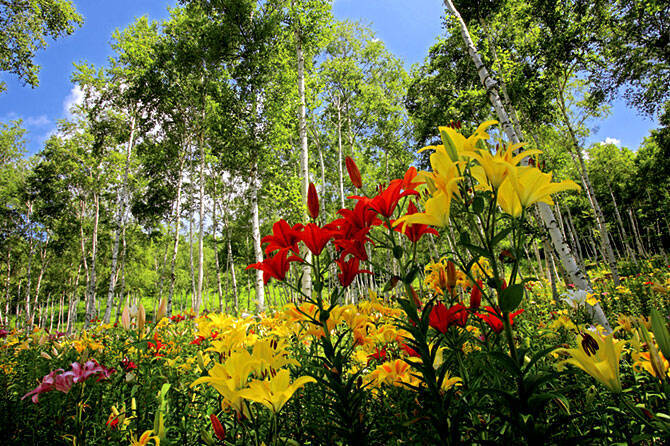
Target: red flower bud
{"type": "Point", "coordinates": [312, 201]}
{"type": "Point", "coordinates": [476, 295]}
{"type": "Point", "coordinates": [354, 173]}
{"type": "Point", "coordinates": [218, 427]}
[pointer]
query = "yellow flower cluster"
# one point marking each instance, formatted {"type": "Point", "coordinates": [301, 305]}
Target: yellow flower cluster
{"type": "Point", "coordinates": [516, 186]}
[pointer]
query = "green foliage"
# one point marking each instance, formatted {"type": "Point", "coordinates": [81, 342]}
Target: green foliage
{"type": "Point", "coordinates": [24, 27]}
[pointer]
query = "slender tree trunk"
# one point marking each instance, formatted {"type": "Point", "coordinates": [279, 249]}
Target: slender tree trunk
{"type": "Point", "coordinates": [340, 173]}
{"type": "Point", "coordinates": [90, 293]}
{"type": "Point", "coordinates": [578, 276]}
{"type": "Point", "coordinates": [576, 154]}
{"type": "Point", "coordinates": [30, 261]}
{"type": "Point", "coordinates": [74, 301]}
{"type": "Point", "coordinates": [7, 283]}
{"type": "Point", "coordinates": [254, 187]}
{"type": "Point", "coordinates": [637, 236]}
{"type": "Point", "coordinates": [175, 245]}
{"type": "Point", "coordinates": [122, 203]}
{"type": "Point", "coordinates": [44, 261]}
{"type": "Point", "coordinates": [231, 266]}
{"type": "Point", "coordinates": [304, 154]}
{"type": "Point", "coordinates": [624, 236]}
{"type": "Point", "coordinates": [216, 252]}
{"type": "Point", "coordinates": [190, 242]}
{"type": "Point", "coordinates": [201, 229]}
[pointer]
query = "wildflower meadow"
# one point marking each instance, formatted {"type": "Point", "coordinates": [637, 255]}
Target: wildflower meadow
{"type": "Point", "coordinates": [255, 225]}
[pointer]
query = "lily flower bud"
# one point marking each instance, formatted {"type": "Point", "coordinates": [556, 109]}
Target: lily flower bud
{"type": "Point", "coordinates": [162, 310]}
{"type": "Point", "coordinates": [354, 173]}
{"type": "Point", "coordinates": [312, 201]}
{"type": "Point", "coordinates": [125, 318]}
{"type": "Point", "coordinates": [141, 317]}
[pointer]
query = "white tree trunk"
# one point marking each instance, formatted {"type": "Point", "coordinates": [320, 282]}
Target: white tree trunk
{"type": "Point", "coordinates": [216, 252]}
{"type": "Point", "coordinates": [90, 292]}
{"type": "Point", "coordinates": [256, 234]}
{"type": "Point", "coordinates": [622, 229]}
{"type": "Point", "coordinates": [201, 228]}
{"type": "Point", "coordinates": [122, 204]}
{"type": "Point", "coordinates": [304, 154]}
{"type": "Point", "coordinates": [231, 266]}
{"type": "Point", "coordinates": [340, 173]}
{"type": "Point", "coordinates": [175, 246]}
{"type": "Point", "coordinates": [30, 262]}
{"type": "Point", "coordinates": [577, 157]}
{"type": "Point", "coordinates": [578, 276]}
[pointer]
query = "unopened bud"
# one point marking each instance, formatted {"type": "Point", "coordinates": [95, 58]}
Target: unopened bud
{"type": "Point", "coordinates": [141, 317]}
{"type": "Point", "coordinates": [354, 173]}
{"type": "Point", "coordinates": [162, 310]}
{"type": "Point", "coordinates": [125, 318]}
{"type": "Point", "coordinates": [312, 201]}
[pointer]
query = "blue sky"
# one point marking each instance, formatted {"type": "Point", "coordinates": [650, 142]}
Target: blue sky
{"type": "Point", "coordinates": [408, 28]}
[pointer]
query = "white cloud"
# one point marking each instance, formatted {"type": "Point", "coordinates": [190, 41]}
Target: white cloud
{"type": "Point", "coordinates": [37, 121]}
{"type": "Point", "coordinates": [75, 97]}
{"type": "Point", "coordinates": [610, 140]}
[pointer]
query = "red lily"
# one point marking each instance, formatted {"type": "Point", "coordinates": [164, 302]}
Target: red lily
{"type": "Point", "coordinates": [408, 182]}
{"type": "Point", "coordinates": [113, 423]}
{"type": "Point", "coordinates": [315, 238]}
{"type": "Point", "coordinates": [283, 237]}
{"type": "Point", "coordinates": [128, 364]}
{"type": "Point", "coordinates": [157, 346]}
{"type": "Point", "coordinates": [379, 355]}
{"type": "Point", "coordinates": [276, 266]}
{"type": "Point", "coordinates": [349, 270]}
{"type": "Point", "coordinates": [197, 341]}
{"type": "Point", "coordinates": [354, 246]}
{"type": "Point", "coordinates": [386, 201]}
{"type": "Point", "coordinates": [441, 318]}
{"type": "Point", "coordinates": [312, 201]}
{"type": "Point", "coordinates": [353, 221]}
{"type": "Point", "coordinates": [414, 232]}
{"type": "Point", "coordinates": [494, 319]}
{"type": "Point", "coordinates": [409, 350]}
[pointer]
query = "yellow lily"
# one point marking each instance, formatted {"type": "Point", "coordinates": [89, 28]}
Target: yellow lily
{"type": "Point", "coordinates": [494, 169]}
{"type": "Point", "coordinates": [528, 185]}
{"type": "Point", "coordinates": [274, 393]}
{"type": "Point", "coordinates": [599, 357]}
{"type": "Point", "coordinates": [450, 381]}
{"type": "Point", "coordinates": [272, 355]}
{"type": "Point", "coordinates": [230, 377]}
{"type": "Point", "coordinates": [393, 373]}
{"type": "Point", "coordinates": [456, 145]}
{"type": "Point", "coordinates": [144, 439]}
{"type": "Point", "coordinates": [436, 214]}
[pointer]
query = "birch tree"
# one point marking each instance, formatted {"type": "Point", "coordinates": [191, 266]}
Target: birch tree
{"type": "Point", "coordinates": [577, 276]}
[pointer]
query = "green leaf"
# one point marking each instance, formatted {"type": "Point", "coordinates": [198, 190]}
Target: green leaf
{"type": "Point", "coordinates": [511, 297]}
{"type": "Point", "coordinates": [476, 250]}
{"type": "Point", "coordinates": [660, 330]}
{"type": "Point", "coordinates": [500, 236]}
{"type": "Point", "coordinates": [411, 275]}
{"type": "Point", "coordinates": [478, 205]}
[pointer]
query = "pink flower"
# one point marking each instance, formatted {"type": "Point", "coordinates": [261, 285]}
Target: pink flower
{"type": "Point", "coordinates": [91, 367]}
{"type": "Point", "coordinates": [63, 381]}
{"type": "Point", "coordinates": [55, 380]}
